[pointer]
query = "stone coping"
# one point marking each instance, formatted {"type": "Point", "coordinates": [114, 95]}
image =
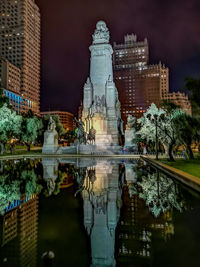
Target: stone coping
{"type": "Point", "coordinates": [183, 177]}
{"type": "Point", "coordinates": [35, 155]}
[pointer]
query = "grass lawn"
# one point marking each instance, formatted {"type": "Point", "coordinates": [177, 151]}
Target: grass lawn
{"type": "Point", "coordinates": [190, 166]}
{"type": "Point", "coordinates": [22, 152]}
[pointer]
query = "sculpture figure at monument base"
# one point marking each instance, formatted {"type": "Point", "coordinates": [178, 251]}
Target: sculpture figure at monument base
{"type": "Point", "coordinates": [50, 145]}
{"type": "Point", "coordinates": [130, 135]}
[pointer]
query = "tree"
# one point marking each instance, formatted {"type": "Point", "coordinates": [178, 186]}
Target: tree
{"type": "Point", "coordinates": [155, 119]}
{"type": "Point", "coordinates": [31, 125]}
{"type": "Point", "coordinates": [168, 106]}
{"type": "Point", "coordinates": [29, 131]}
{"type": "Point", "coordinates": [188, 132]}
{"type": "Point", "coordinates": [3, 99]}
{"type": "Point", "coordinates": [168, 130]}
{"type": "Point", "coordinates": [70, 136]}
{"type": "Point", "coordinates": [10, 125]}
{"type": "Point", "coordinates": [193, 85]}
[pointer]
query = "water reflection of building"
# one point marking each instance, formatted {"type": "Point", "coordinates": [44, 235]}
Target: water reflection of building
{"type": "Point", "coordinates": [102, 200]}
{"type": "Point", "coordinates": [18, 234]}
{"type": "Point", "coordinates": [137, 228]}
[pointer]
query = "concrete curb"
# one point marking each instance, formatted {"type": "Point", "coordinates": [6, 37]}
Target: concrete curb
{"type": "Point", "coordinates": [185, 178]}
{"type": "Point", "coordinates": [10, 157]}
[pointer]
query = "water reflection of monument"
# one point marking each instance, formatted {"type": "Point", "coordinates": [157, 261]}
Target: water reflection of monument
{"type": "Point", "coordinates": [50, 173]}
{"type": "Point", "coordinates": [102, 202]}
{"type": "Point", "coordinates": [18, 234]}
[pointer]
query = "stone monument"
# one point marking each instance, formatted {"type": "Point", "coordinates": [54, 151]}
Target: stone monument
{"type": "Point", "coordinates": [130, 134]}
{"type": "Point", "coordinates": [99, 130]}
{"type": "Point", "coordinates": [101, 106]}
{"type": "Point", "coordinates": [50, 145]}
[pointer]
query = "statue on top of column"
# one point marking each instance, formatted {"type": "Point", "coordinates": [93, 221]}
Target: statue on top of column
{"type": "Point", "coordinates": [101, 34]}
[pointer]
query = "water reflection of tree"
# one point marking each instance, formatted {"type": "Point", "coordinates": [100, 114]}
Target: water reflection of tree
{"type": "Point", "coordinates": [160, 193]}
{"type": "Point", "coordinates": [18, 178]}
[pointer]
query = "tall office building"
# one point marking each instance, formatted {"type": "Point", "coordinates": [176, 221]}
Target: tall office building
{"type": "Point", "coordinates": [139, 84]}
{"type": "Point", "coordinates": [20, 47]}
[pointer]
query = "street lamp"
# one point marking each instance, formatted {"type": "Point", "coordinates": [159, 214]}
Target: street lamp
{"type": "Point", "coordinates": [155, 118]}
{"type": "Point", "coordinates": [156, 123]}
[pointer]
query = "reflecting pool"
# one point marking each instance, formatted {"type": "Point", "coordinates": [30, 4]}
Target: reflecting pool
{"type": "Point", "coordinates": [95, 212]}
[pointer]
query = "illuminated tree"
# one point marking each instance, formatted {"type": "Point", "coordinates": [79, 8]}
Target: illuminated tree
{"type": "Point", "coordinates": [29, 131]}
{"type": "Point", "coordinates": [164, 123]}
{"type": "Point", "coordinates": [10, 125]}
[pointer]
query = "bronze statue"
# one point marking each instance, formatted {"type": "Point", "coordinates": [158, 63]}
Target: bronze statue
{"type": "Point", "coordinates": [80, 131]}
{"type": "Point", "coordinates": [91, 136]}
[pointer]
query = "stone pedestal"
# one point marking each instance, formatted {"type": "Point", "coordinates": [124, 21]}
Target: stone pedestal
{"type": "Point", "coordinates": [129, 136]}
{"type": "Point", "coordinates": [50, 145]}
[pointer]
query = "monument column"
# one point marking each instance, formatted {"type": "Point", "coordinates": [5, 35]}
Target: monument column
{"type": "Point", "coordinates": [100, 92]}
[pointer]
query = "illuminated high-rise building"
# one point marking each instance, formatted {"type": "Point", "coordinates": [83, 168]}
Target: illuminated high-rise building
{"type": "Point", "coordinates": [139, 84]}
{"type": "Point", "coordinates": [20, 46]}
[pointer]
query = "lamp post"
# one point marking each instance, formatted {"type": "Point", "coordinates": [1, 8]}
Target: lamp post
{"type": "Point", "coordinates": [156, 123]}
{"type": "Point", "coordinates": [154, 118]}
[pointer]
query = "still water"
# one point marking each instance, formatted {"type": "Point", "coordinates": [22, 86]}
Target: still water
{"type": "Point", "coordinates": [93, 212]}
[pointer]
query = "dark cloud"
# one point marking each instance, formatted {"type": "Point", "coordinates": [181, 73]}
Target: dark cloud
{"type": "Point", "coordinates": [172, 29]}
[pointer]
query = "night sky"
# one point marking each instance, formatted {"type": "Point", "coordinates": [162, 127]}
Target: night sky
{"type": "Point", "coordinates": [171, 27]}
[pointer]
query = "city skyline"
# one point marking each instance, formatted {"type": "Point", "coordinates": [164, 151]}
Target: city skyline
{"type": "Point", "coordinates": [66, 37]}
